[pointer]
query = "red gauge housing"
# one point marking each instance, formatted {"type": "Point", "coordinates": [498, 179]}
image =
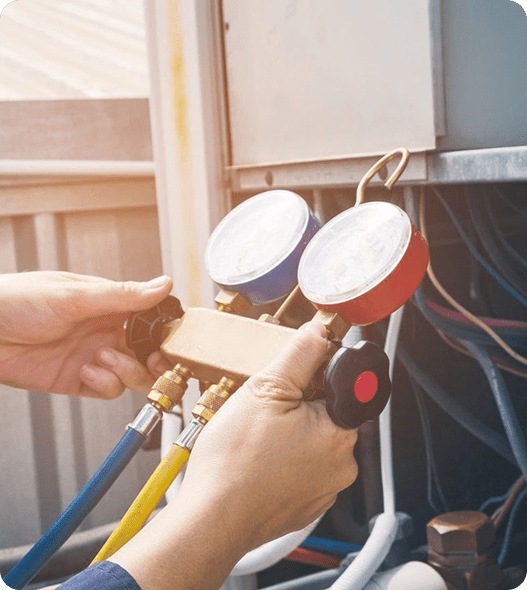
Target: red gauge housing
{"type": "Point", "coordinates": [364, 264]}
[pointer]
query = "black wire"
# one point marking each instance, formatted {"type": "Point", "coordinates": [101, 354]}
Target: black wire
{"type": "Point", "coordinates": [432, 475]}
{"type": "Point", "coordinates": [510, 526]}
{"type": "Point", "coordinates": [496, 275]}
{"type": "Point", "coordinates": [496, 248]}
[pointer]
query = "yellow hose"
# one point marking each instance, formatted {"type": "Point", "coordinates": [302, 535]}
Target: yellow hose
{"type": "Point", "coordinates": [146, 501]}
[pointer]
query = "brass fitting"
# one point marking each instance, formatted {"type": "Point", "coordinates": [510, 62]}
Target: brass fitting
{"type": "Point", "coordinates": [269, 319]}
{"type": "Point", "coordinates": [169, 388]}
{"type": "Point", "coordinates": [335, 325]}
{"type": "Point", "coordinates": [462, 548]}
{"type": "Point", "coordinates": [213, 398]}
{"type": "Point", "coordinates": [232, 302]}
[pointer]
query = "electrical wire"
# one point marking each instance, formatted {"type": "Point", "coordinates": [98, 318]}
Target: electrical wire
{"type": "Point", "coordinates": [504, 403]}
{"type": "Point", "coordinates": [500, 513]}
{"type": "Point", "coordinates": [459, 317]}
{"type": "Point", "coordinates": [311, 557]}
{"type": "Point", "coordinates": [337, 548]}
{"type": "Point", "coordinates": [521, 359]}
{"type": "Point", "coordinates": [432, 475]}
{"type": "Point", "coordinates": [513, 206]}
{"type": "Point", "coordinates": [501, 236]}
{"type": "Point", "coordinates": [509, 288]}
{"type": "Point", "coordinates": [450, 405]}
{"type": "Point", "coordinates": [60, 531]}
{"type": "Point", "coordinates": [496, 249]}
{"type": "Point", "coordinates": [500, 362]}
{"type": "Point", "coordinates": [510, 527]}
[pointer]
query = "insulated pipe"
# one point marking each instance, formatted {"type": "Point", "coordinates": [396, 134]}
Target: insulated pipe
{"type": "Point", "coordinates": [506, 409]}
{"type": "Point", "coordinates": [384, 530]}
{"type": "Point", "coordinates": [86, 500]}
{"type": "Point", "coordinates": [413, 575]}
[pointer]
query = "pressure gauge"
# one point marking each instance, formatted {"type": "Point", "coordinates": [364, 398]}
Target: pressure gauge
{"type": "Point", "coordinates": [256, 247]}
{"type": "Point", "coordinates": [364, 264]}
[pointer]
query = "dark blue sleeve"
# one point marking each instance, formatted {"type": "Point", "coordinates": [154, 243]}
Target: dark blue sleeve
{"type": "Point", "coordinates": [103, 575]}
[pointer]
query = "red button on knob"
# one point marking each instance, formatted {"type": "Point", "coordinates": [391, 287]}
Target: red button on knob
{"type": "Point", "coordinates": [366, 386]}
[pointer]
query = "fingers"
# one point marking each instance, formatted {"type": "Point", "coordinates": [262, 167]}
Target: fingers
{"type": "Point", "coordinates": [128, 371]}
{"type": "Point", "coordinates": [293, 369]}
{"type": "Point", "coordinates": [87, 297]}
{"type": "Point", "coordinates": [99, 382]}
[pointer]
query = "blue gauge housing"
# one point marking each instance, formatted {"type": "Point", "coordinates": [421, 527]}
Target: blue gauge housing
{"type": "Point", "coordinates": [256, 248]}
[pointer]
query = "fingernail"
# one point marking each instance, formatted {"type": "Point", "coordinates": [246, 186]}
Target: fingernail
{"type": "Point", "coordinates": [88, 373]}
{"type": "Point", "coordinates": [108, 358]}
{"type": "Point", "coordinates": [158, 282]}
{"type": "Point", "coordinates": [159, 369]}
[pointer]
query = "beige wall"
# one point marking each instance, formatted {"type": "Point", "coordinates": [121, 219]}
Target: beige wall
{"type": "Point", "coordinates": [51, 445]}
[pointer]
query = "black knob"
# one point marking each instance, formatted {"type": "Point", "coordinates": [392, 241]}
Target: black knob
{"type": "Point", "coordinates": [144, 329]}
{"type": "Point", "coordinates": [357, 384]}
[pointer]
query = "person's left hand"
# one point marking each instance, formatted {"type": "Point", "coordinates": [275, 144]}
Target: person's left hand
{"type": "Point", "coordinates": [63, 333]}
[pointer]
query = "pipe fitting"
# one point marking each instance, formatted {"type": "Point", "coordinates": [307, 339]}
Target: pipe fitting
{"type": "Point", "coordinates": [146, 420]}
{"type": "Point", "coordinates": [169, 388]}
{"type": "Point", "coordinates": [213, 398]}
{"type": "Point", "coordinates": [232, 302]}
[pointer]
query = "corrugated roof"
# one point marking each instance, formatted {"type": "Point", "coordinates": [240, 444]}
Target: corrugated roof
{"type": "Point", "coordinates": [53, 49]}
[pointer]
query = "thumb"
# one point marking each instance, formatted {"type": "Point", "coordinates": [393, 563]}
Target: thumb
{"type": "Point", "coordinates": [292, 370]}
{"type": "Point", "coordinates": [108, 297]}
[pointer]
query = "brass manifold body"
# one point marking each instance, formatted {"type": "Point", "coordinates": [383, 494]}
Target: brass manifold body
{"type": "Point", "coordinates": [222, 348]}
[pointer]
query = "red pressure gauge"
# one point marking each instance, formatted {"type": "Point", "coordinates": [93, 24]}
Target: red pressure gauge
{"type": "Point", "coordinates": [364, 264]}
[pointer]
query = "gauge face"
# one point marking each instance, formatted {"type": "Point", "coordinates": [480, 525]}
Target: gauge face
{"type": "Point", "coordinates": [264, 234]}
{"type": "Point", "coordinates": [354, 252]}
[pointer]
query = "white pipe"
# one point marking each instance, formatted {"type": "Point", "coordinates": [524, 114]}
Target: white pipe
{"type": "Point", "coordinates": [98, 168]}
{"type": "Point", "coordinates": [413, 575]}
{"type": "Point", "coordinates": [384, 531]}
{"type": "Point", "coordinates": [272, 552]}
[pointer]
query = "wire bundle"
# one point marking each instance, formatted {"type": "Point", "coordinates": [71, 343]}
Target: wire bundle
{"type": "Point", "coordinates": [477, 337]}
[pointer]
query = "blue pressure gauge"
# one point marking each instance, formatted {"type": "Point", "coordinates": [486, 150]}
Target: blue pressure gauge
{"type": "Point", "coordinates": [256, 248]}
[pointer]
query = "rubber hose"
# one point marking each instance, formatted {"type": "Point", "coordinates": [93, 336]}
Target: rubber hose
{"type": "Point", "coordinates": [146, 501]}
{"type": "Point", "coordinates": [503, 400]}
{"type": "Point", "coordinates": [60, 531]}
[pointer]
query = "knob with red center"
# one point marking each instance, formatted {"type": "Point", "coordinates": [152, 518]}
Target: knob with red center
{"type": "Point", "coordinates": [357, 384]}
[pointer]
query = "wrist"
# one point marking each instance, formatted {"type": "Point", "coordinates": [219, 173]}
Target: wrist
{"type": "Point", "coordinates": [175, 550]}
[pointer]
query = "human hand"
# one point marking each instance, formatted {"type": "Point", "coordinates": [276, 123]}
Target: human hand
{"type": "Point", "coordinates": [268, 463]}
{"type": "Point", "coordinates": [63, 333]}
{"type": "Point", "coordinates": [277, 461]}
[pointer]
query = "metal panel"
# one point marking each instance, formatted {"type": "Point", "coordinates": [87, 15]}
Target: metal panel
{"type": "Point", "coordinates": [485, 63]}
{"type": "Point", "coordinates": [341, 172]}
{"type": "Point", "coordinates": [312, 80]}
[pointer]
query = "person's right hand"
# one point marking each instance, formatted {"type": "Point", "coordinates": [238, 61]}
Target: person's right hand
{"type": "Point", "coordinates": [276, 461]}
{"type": "Point", "coordinates": [268, 463]}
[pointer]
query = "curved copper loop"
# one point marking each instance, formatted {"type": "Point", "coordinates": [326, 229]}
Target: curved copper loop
{"type": "Point", "coordinates": [405, 156]}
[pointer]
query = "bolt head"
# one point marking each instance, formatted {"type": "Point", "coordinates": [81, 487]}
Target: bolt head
{"type": "Point", "coordinates": [461, 533]}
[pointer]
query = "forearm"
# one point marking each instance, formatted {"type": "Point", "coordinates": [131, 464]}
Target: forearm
{"type": "Point", "coordinates": [183, 549]}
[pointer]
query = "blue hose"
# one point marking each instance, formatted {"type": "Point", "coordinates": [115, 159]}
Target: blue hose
{"type": "Point", "coordinates": [60, 531]}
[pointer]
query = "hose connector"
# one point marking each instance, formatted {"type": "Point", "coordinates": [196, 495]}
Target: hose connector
{"type": "Point", "coordinates": [169, 388]}
{"type": "Point", "coordinates": [213, 398]}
